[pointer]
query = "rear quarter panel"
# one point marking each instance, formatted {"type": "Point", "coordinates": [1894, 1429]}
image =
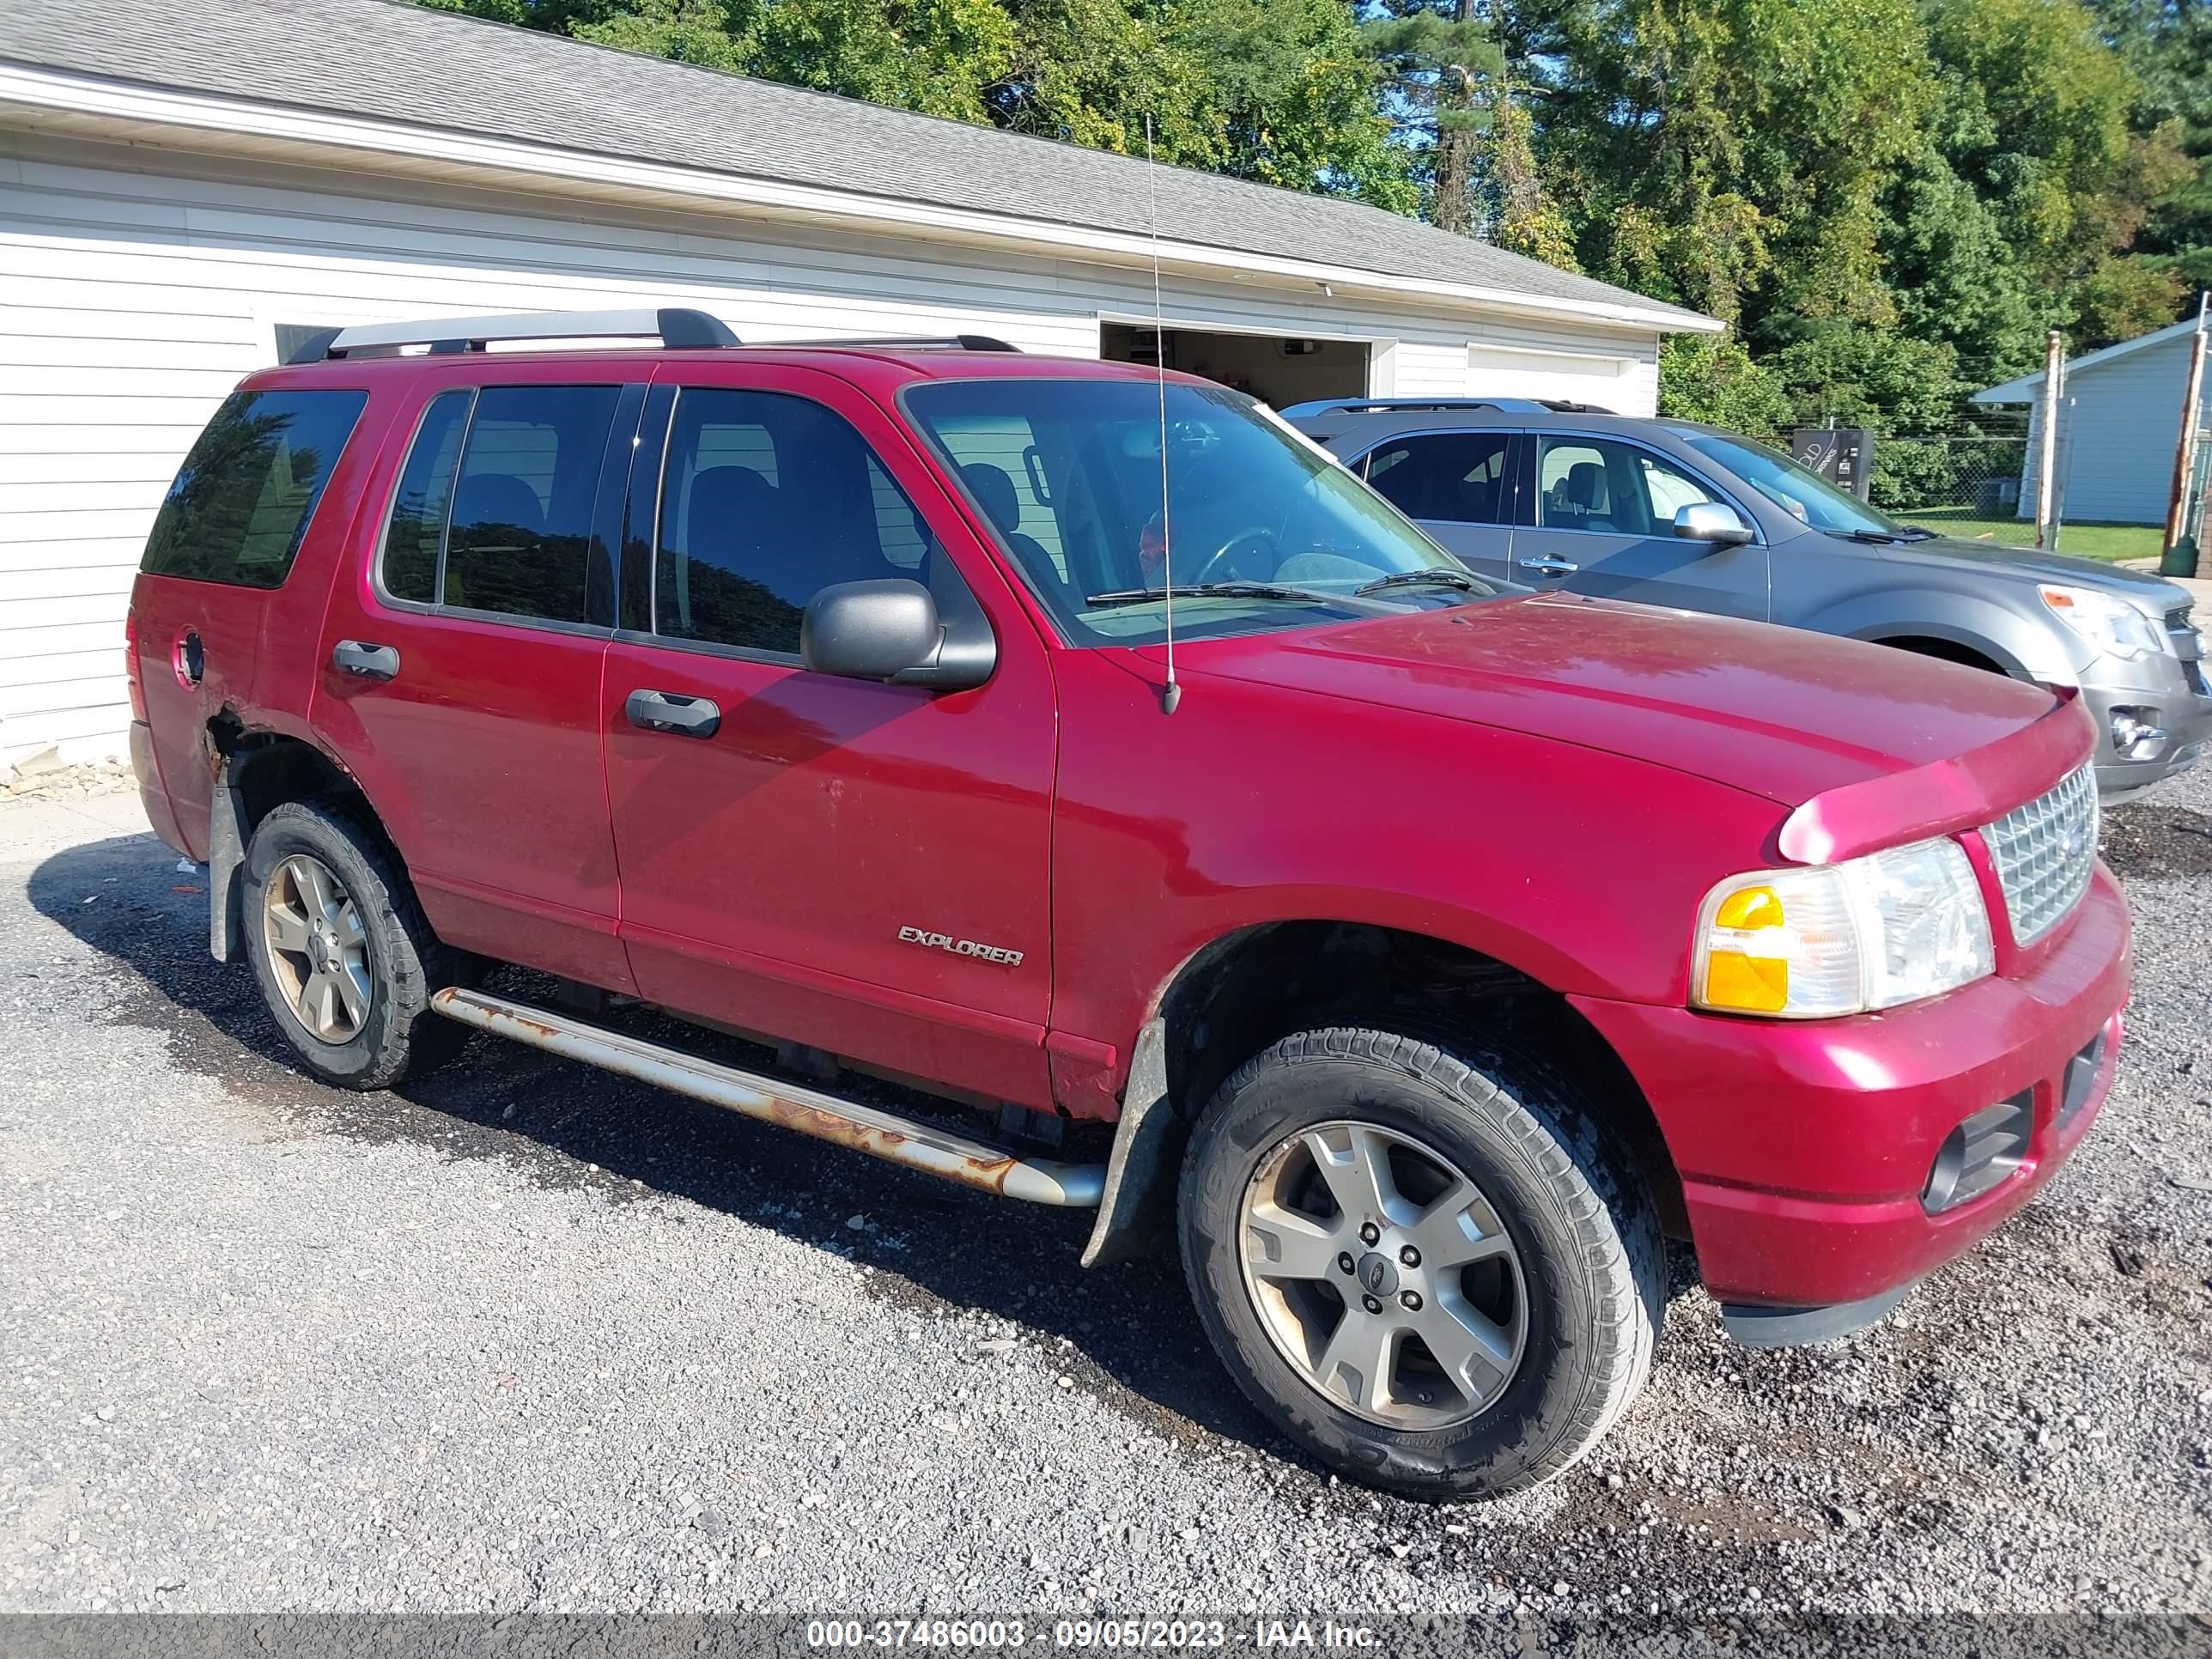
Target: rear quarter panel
{"type": "Point", "coordinates": [257, 643]}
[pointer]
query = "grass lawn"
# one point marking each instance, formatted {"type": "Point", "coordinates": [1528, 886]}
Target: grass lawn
{"type": "Point", "coordinates": [2108, 542]}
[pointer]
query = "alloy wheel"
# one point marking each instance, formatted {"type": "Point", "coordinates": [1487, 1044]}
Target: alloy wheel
{"type": "Point", "coordinates": [317, 949]}
{"type": "Point", "coordinates": [1382, 1275]}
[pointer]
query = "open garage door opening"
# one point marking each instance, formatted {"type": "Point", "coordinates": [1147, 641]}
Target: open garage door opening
{"type": "Point", "coordinates": [1278, 370]}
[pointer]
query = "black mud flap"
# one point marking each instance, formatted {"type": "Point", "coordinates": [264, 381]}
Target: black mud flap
{"type": "Point", "coordinates": [226, 859]}
{"type": "Point", "coordinates": [1136, 1217]}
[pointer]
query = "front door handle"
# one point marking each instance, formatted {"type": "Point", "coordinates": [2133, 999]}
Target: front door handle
{"type": "Point", "coordinates": [371, 662]}
{"type": "Point", "coordinates": [669, 711]}
{"type": "Point", "coordinates": [1551, 565]}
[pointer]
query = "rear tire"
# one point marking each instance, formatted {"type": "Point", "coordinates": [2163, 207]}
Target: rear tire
{"type": "Point", "coordinates": [1552, 1317]}
{"type": "Point", "coordinates": [344, 958]}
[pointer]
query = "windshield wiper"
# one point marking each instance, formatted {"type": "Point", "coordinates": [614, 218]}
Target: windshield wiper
{"type": "Point", "coordinates": [1915, 532]}
{"type": "Point", "coordinates": [1435, 576]}
{"type": "Point", "coordinates": [1871, 537]}
{"type": "Point", "coordinates": [1207, 590]}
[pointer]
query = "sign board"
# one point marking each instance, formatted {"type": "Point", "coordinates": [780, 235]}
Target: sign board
{"type": "Point", "coordinates": [1843, 455]}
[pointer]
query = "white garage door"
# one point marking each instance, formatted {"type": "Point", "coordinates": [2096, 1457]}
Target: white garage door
{"type": "Point", "coordinates": [1499, 372]}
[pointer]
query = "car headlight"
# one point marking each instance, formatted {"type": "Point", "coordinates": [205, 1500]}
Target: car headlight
{"type": "Point", "coordinates": [2111, 624]}
{"type": "Point", "coordinates": [1843, 939]}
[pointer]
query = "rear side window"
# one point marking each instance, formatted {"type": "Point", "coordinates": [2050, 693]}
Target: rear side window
{"type": "Point", "coordinates": [495, 506]}
{"type": "Point", "coordinates": [417, 532]}
{"type": "Point", "coordinates": [1453, 478]}
{"type": "Point", "coordinates": [518, 535]}
{"type": "Point", "coordinates": [243, 500]}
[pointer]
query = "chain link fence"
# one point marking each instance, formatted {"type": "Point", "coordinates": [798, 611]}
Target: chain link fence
{"type": "Point", "coordinates": [1980, 485]}
{"type": "Point", "coordinates": [1964, 484]}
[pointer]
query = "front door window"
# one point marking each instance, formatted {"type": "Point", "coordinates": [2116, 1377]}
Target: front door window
{"type": "Point", "coordinates": [1610, 488]}
{"type": "Point", "coordinates": [767, 500]}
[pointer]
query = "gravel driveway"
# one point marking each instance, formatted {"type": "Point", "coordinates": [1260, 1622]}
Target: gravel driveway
{"type": "Point", "coordinates": [530, 1337]}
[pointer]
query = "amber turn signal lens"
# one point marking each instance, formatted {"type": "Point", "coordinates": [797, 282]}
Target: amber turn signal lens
{"type": "Point", "coordinates": [1753, 985]}
{"type": "Point", "coordinates": [1748, 908]}
{"type": "Point", "coordinates": [1743, 972]}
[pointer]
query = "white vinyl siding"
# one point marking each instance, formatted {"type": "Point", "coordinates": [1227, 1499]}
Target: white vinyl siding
{"type": "Point", "coordinates": [137, 285]}
{"type": "Point", "coordinates": [2116, 436]}
{"type": "Point", "coordinates": [1623, 380]}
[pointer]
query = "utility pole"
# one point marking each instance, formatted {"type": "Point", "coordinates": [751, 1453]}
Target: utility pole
{"type": "Point", "coordinates": [2184, 448]}
{"type": "Point", "coordinates": [2046, 448]}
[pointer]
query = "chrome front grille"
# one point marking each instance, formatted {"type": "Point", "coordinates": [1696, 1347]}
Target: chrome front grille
{"type": "Point", "coordinates": [2044, 853]}
{"type": "Point", "coordinates": [2188, 644]}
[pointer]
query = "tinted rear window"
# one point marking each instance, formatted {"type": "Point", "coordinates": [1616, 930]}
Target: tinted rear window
{"type": "Point", "coordinates": [244, 498]}
{"type": "Point", "coordinates": [518, 533]}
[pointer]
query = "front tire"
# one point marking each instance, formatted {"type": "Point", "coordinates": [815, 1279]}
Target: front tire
{"type": "Point", "coordinates": [344, 957]}
{"type": "Point", "coordinates": [1507, 1279]}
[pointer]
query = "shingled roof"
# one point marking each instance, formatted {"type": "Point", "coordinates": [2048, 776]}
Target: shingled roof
{"type": "Point", "coordinates": [390, 61]}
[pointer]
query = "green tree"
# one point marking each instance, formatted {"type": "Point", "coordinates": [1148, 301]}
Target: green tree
{"type": "Point", "coordinates": [1090, 71]}
{"type": "Point", "coordinates": [1712, 378]}
{"type": "Point", "coordinates": [937, 57]}
{"type": "Point", "coordinates": [1891, 199]}
{"type": "Point", "coordinates": [1294, 94]}
{"type": "Point", "coordinates": [1436, 57]}
{"type": "Point", "coordinates": [2168, 43]}
{"type": "Point", "coordinates": [708, 32]}
{"type": "Point", "coordinates": [1728, 154]}
{"type": "Point", "coordinates": [2035, 118]}
{"type": "Point", "coordinates": [1519, 211]}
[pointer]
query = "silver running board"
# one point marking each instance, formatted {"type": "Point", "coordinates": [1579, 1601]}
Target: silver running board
{"type": "Point", "coordinates": [773, 1100]}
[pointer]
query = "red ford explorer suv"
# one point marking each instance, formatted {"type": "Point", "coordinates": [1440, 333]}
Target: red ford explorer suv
{"type": "Point", "coordinates": [1079, 746]}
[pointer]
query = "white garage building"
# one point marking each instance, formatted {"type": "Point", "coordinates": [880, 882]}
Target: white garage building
{"type": "Point", "coordinates": [2119, 424]}
{"type": "Point", "coordinates": [181, 189]}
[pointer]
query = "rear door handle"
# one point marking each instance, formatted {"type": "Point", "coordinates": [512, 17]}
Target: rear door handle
{"type": "Point", "coordinates": [371, 662]}
{"type": "Point", "coordinates": [669, 711]}
{"type": "Point", "coordinates": [1551, 565]}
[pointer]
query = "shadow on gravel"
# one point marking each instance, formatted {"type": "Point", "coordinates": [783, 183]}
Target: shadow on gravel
{"type": "Point", "coordinates": [568, 1126]}
{"type": "Point", "coordinates": [2145, 839]}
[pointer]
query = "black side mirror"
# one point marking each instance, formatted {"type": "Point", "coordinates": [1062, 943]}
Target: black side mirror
{"type": "Point", "coordinates": [1716, 522]}
{"type": "Point", "coordinates": [889, 631]}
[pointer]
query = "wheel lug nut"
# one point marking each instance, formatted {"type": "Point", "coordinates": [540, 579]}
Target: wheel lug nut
{"type": "Point", "coordinates": [1370, 1233]}
{"type": "Point", "coordinates": [1410, 1256]}
{"type": "Point", "coordinates": [1412, 1301]}
{"type": "Point", "coordinates": [1344, 1263]}
{"type": "Point", "coordinates": [1373, 1305]}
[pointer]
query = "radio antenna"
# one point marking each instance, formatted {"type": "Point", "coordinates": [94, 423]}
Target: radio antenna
{"type": "Point", "coordinates": [1170, 693]}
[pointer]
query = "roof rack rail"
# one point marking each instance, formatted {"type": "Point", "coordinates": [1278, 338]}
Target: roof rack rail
{"type": "Point", "coordinates": [1378, 405]}
{"type": "Point", "coordinates": [677, 326]}
{"type": "Point", "coordinates": [1401, 405]}
{"type": "Point", "coordinates": [955, 341]}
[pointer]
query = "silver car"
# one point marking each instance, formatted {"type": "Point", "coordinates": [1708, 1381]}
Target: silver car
{"type": "Point", "coordinates": [1675, 513]}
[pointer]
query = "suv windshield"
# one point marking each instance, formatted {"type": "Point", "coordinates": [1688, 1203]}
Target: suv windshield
{"type": "Point", "coordinates": [1069, 472]}
{"type": "Point", "coordinates": [1803, 495]}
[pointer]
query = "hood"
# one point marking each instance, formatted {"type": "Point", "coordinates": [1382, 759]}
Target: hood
{"type": "Point", "coordinates": [2154, 594]}
{"type": "Point", "coordinates": [1776, 711]}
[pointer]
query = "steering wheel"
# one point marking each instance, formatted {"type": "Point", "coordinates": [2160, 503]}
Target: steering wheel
{"type": "Point", "coordinates": [1250, 534]}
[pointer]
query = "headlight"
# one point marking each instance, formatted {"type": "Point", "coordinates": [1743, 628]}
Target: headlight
{"type": "Point", "coordinates": [1843, 939]}
{"type": "Point", "coordinates": [2111, 624]}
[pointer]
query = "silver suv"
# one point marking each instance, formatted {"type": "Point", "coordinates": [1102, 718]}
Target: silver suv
{"type": "Point", "coordinates": [1675, 513]}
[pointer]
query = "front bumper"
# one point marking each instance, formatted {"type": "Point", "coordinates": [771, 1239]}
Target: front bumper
{"type": "Point", "coordinates": [2169, 692]}
{"type": "Point", "coordinates": [1804, 1148]}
